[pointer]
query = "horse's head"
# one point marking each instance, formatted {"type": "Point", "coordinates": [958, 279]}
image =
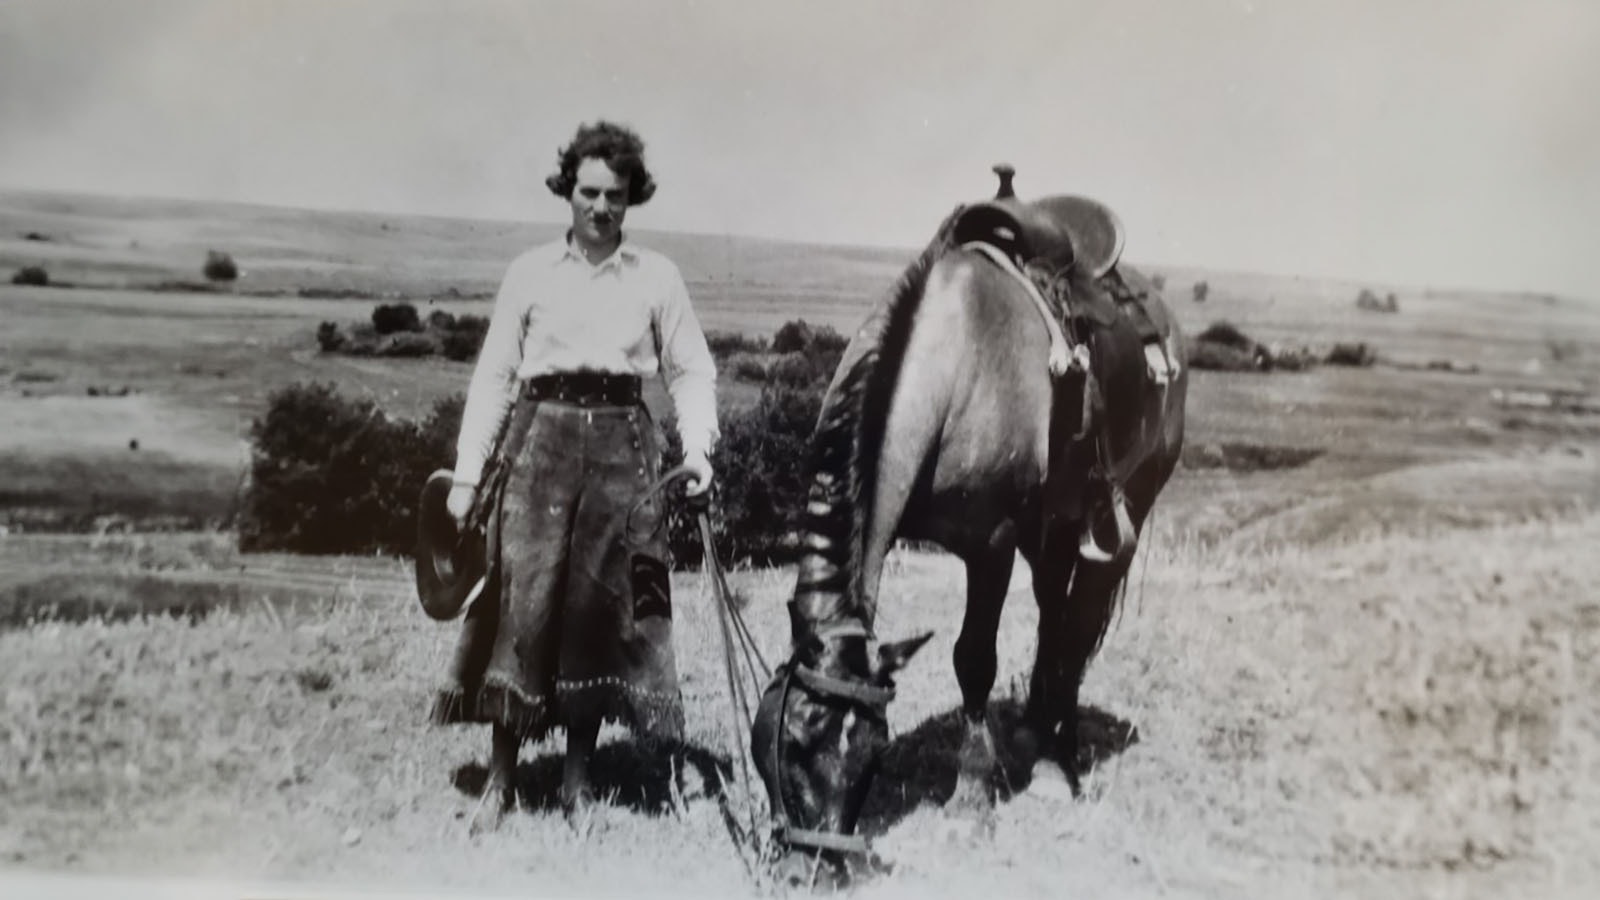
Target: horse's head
{"type": "Point", "coordinates": [818, 735]}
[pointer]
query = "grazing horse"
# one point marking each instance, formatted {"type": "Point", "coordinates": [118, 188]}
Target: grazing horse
{"type": "Point", "coordinates": [945, 423]}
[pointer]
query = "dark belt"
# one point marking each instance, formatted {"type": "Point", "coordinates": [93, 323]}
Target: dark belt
{"type": "Point", "coordinates": [585, 388]}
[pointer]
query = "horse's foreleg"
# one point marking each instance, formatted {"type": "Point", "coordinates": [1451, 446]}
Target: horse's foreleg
{"type": "Point", "coordinates": [988, 576]}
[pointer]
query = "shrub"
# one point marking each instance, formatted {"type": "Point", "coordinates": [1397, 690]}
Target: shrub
{"type": "Point", "coordinates": [390, 318]}
{"type": "Point", "coordinates": [1159, 282]}
{"type": "Point", "coordinates": [220, 267]}
{"type": "Point", "coordinates": [796, 370]}
{"type": "Point", "coordinates": [329, 337]}
{"type": "Point", "coordinates": [331, 475]}
{"type": "Point", "coordinates": [797, 336]}
{"type": "Point", "coordinates": [1220, 357]}
{"type": "Point", "coordinates": [33, 276]}
{"type": "Point", "coordinates": [1368, 300]}
{"type": "Point", "coordinates": [409, 345]}
{"type": "Point", "coordinates": [462, 341]}
{"type": "Point", "coordinates": [1228, 335]}
{"type": "Point", "coordinates": [459, 346]}
{"type": "Point", "coordinates": [440, 320]}
{"type": "Point", "coordinates": [760, 488]}
{"type": "Point", "coordinates": [729, 343]}
{"type": "Point", "coordinates": [792, 337]}
{"type": "Point", "coordinates": [747, 367]}
{"type": "Point", "coordinates": [1359, 355]}
{"type": "Point", "coordinates": [1293, 359]}
{"type": "Point", "coordinates": [1202, 290]}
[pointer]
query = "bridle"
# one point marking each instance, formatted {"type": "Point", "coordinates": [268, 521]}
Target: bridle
{"type": "Point", "coordinates": [869, 699]}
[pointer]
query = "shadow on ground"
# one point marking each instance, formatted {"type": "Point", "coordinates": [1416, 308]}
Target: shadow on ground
{"type": "Point", "coordinates": [919, 767]}
{"type": "Point", "coordinates": [636, 775]}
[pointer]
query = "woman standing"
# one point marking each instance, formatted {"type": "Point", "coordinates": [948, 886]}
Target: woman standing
{"type": "Point", "coordinates": [575, 625]}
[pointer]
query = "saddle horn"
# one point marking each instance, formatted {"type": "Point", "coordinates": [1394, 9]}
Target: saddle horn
{"type": "Point", "coordinates": [1006, 171]}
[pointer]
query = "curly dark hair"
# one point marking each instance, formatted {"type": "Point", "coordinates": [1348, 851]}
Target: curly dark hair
{"type": "Point", "coordinates": [622, 151]}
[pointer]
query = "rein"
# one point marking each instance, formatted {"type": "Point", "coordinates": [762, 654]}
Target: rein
{"type": "Point", "coordinates": [740, 652]}
{"type": "Point", "coordinates": [738, 645]}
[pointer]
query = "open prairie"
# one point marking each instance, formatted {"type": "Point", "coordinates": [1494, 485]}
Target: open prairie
{"type": "Point", "coordinates": [1358, 655]}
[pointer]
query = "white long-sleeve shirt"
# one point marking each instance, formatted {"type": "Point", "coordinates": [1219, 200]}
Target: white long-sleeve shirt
{"type": "Point", "coordinates": [556, 312]}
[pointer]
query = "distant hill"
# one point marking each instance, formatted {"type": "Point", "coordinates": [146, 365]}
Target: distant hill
{"type": "Point", "coordinates": [738, 282]}
{"type": "Point", "coordinates": [117, 242]}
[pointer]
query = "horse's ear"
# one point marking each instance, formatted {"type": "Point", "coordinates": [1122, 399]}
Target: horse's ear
{"type": "Point", "coordinates": [893, 657]}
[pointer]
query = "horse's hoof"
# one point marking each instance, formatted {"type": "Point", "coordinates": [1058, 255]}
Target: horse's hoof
{"type": "Point", "coordinates": [972, 801]}
{"type": "Point", "coordinates": [795, 870]}
{"type": "Point", "coordinates": [966, 829]}
{"type": "Point", "coordinates": [804, 871]}
{"type": "Point", "coordinates": [1050, 783]}
{"type": "Point", "coordinates": [488, 817]}
{"type": "Point", "coordinates": [576, 805]}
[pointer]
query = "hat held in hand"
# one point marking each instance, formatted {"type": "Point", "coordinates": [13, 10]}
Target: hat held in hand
{"type": "Point", "coordinates": [451, 566]}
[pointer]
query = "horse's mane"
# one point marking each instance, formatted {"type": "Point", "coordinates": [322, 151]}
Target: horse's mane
{"type": "Point", "coordinates": [847, 446]}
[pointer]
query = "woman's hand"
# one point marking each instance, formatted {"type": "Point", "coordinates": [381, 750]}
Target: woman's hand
{"type": "Point", "coordinates": [459, 502]}
{"type": "Point", "coordinates": [701, 467]}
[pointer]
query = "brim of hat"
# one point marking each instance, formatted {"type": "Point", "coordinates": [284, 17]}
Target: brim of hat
{"type": "Point", "coordinates": [449, 564]}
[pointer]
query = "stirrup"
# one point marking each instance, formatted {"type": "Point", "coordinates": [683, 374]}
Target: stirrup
{"type": "Point", "coordinates": [1126, 539]}
{"type": "Point", "coordinates": [1156, 362]}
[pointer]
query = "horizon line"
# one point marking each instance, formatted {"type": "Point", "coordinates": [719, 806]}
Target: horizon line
{"type": "Point", "coordinates": [1210, 270]}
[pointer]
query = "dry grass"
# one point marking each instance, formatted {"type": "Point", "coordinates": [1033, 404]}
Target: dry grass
{"type": "Point", "coordinates": [1370, 675]}
{"type": "Point", "coordinates": [1400, 714]}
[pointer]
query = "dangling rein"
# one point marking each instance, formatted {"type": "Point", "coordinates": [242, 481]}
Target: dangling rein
{"type": "Point", "coordinates": [738, 646]}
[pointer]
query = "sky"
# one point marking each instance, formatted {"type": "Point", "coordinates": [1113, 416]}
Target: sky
{"type": "Point", "coordinates": [1443, 143]}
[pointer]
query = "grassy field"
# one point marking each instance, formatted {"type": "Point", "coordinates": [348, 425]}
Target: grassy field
{"type": "Point", "coordinates": [1400, 714]}
{"type": "Point", "coordinates": [1367, 671]}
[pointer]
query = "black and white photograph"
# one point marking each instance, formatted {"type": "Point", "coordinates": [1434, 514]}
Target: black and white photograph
{"type": "Point", "coordinates": [879, 448]}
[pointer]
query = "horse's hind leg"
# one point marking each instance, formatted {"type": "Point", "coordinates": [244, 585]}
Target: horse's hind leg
{"type": "Point", "coordinates": [1071, 624]}
{"type": "Point", "coordinates": [988, 576]}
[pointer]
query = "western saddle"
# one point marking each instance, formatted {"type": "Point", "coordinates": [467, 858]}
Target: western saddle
{"type": "Point", "coordinates": [1043, 243]}
{"type": "Point", "coordinates": [1061, 232]}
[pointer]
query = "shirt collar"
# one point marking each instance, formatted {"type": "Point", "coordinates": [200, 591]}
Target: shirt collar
{"type": "Point", "coordinates": [625, 252]}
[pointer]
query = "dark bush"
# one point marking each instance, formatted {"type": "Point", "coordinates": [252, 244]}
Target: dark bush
{"type": "Point", "coordinates": [390, 318]}
{"type": "Point", "coordinates": [329, 337]}
{"type": "Point", "coordinates": [220, 267]}
{"type": "Point", "coordinates": [1202, 290]}
{"type": "Point", "coordinates": [1359, 355]}
{"type": "Point", "coordinates": [793, 337]}
{"type": "Point", "coordinates": [460, 346]}
{"type": "Point", "coordinates": [797, 336]}
{"type": "Point", "coordinates": [1294, 359]}
{"type": "Point", "coordinates": [331, 475]}
{"type": "Point", "coordinates": [1369, 301]}
{"type": "Point", "coordinates": [439, 320]}
{"type": "Point", "coordinates": [33, 276]}
{"type": "Point", "coordinates": [1218, 357]}
{"type": "Point", "coordinates": [760, 489]}
{"type": "Point", "coordinates": [461, 343]}
{"type": "Point", "coordinates": [409, 345]}
{"type": "Point", "coordinates": [747, 367]}
{"type": "Point", "coordinates": [729, 343]}
{"type": "Point", "coordinates": [1228, 335]}
{"type": "Point", "coordinates": [796, 370]}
